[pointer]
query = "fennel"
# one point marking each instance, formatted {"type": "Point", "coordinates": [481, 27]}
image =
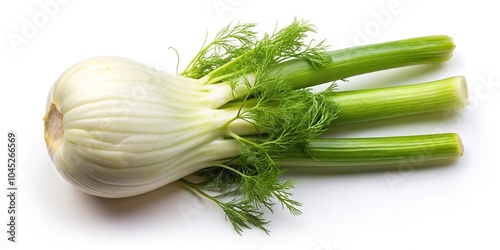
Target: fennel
{"type": "Point", "coordinates": [237, 115]}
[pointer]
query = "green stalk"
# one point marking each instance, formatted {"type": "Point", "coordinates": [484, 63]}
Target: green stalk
{"type": "Point", "coordinates": [375, 104]}
{"type": "Point", "coordinates": [370, 153]}
{"type": "Point", "coordinates": [369, 58]}
{"type": "Point", "coordinates": [381, 103]}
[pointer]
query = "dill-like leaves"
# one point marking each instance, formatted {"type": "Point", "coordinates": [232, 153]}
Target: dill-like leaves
{"type": "Point", "coordinates": [284, 117]}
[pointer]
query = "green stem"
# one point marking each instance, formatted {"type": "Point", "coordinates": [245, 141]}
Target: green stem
{"type": "Point", "coordinates": [369, 153]}
{"type": "Point", "coordinates": [369, 58]}
{"type": "Point", "coordinates": [380, 103]}
{"type": "Point", "coordinates": [218, 74]}
{"type": "Point", "coordinates": [375, 104]}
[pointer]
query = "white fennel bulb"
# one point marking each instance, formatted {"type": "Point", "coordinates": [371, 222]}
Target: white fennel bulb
{"type": "Point", "coordinates": [116, 128]}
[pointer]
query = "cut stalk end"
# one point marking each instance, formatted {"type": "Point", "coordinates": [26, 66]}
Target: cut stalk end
{"type": "Point", "coordinates": [462, 93]}
{"type": "Point", "coordinates": [460, 146]}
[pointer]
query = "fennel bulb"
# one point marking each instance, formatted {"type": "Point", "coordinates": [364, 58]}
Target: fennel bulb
{"type": "Point", "coordinates": [118, 128]}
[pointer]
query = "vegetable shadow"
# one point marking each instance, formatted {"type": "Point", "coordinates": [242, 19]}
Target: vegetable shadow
{"type": "Point", "coordinates": [161, 198]}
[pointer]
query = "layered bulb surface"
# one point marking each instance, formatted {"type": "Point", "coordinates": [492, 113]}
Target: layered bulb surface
{"type": "Point", "coordinates": [115, 127]}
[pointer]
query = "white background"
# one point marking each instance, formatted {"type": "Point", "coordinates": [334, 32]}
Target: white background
{"type": "Point", "coordinates": [449, 207]}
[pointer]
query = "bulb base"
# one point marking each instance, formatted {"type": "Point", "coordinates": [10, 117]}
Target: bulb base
{"type": "Point", "coordinates": [54, 129]}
